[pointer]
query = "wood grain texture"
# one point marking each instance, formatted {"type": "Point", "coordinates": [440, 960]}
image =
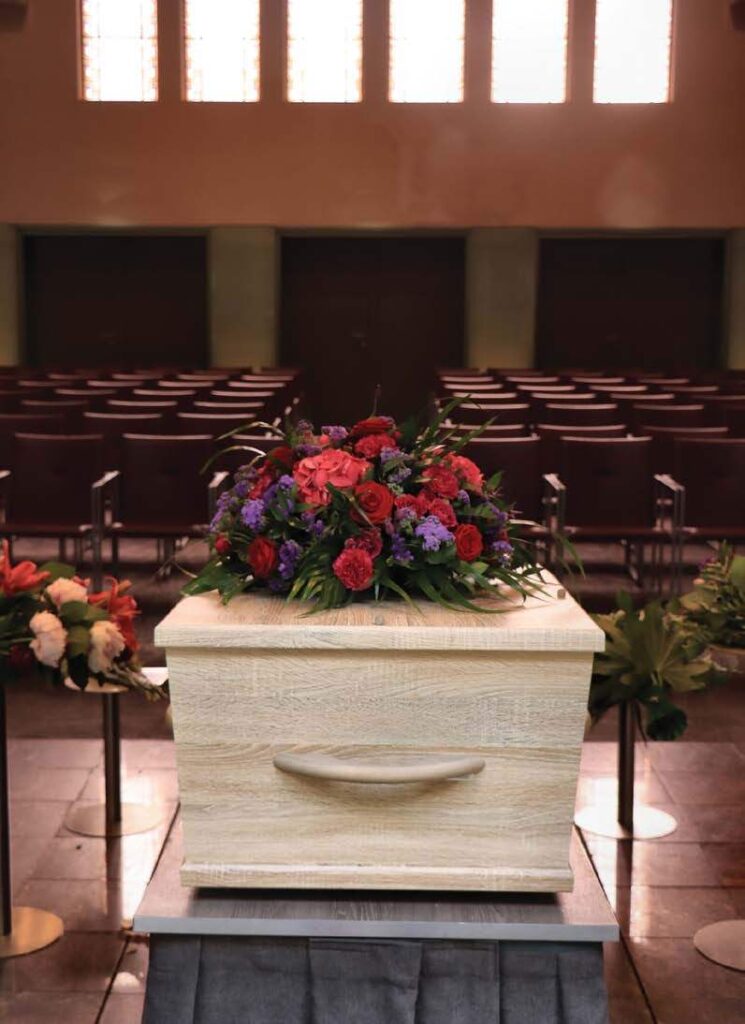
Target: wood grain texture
{"type": "Point", "coordinates": [580, 916]}
{"type": "Point", "coordinates": [248, 685]}
{"type": "Point", "coordinates": [260, 621]}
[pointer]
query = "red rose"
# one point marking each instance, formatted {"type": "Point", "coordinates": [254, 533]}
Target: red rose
{"type": "Point", "coordinates": [368, 540]}
{"type": "Point", "coordinates": [354, 568]}
{"type": "Point", "coordinates": [468, 542]}
{"type": "Point", "coordinates": [281, 458]}
{"type": "Point", "coordinates": [405, 501]}
{"type": "Point", "coordinates": [467, 470]}
{"type": "Point", "coordinates": [264, 479]}
{"type": "Point", "coordinates": [262, 556]}
{"type": "Point", "coordinates": [372, 425]}
{"type": "Point", "coordinates": [370, 446]}
{"type": "Point", "coordinates": [222, 545]}
{"type": "Point", "coordinates": [441, 481]}
{"type": "Point", "coordinates": [375, 500]}
{"type": "Point", "coordinates": [444, 512]}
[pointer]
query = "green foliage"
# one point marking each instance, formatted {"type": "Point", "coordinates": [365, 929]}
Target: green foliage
{"type": "Point", "coordinates": [714, 611]}
{"type": "Point", "coordinates": [648, 658]}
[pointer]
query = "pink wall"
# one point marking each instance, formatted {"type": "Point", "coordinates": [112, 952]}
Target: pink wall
{"type": "Point", "coordinates": [63, 161]}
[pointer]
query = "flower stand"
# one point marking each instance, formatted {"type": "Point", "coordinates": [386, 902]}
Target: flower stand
{"type": "Point", "coordinates": [629, 819]}
{"type": "Point", "coordinates": [23, 930]}
{"type": "Point", "coordinates": [112, 817]}
{"type": "Point", "coordinates": [379, 745]}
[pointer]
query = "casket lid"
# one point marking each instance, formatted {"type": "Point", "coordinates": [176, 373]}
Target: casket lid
{"type": "Point", "coordinates": [543, 623]}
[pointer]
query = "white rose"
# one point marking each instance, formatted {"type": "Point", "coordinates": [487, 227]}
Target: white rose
{"type": "Point", "coordinates": [62, 591]}
{"type": "Point", "coordinates": [106, 643]}
{"type": "Point", "coordinates": [50, 638]}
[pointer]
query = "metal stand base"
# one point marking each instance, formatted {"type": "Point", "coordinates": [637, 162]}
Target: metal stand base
{"type": "Point", "coordinates": [90, 820]}
{"type": "Point", "coordinates": [32, 930]}
{"type": "Point", "coordinates": [649, 823]}
{"type": "Point", "coordinates": [723, 942]}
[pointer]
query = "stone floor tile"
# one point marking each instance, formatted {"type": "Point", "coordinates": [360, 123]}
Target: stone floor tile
{"type": "Point", "coordinates": [626, 1002]}
{"type": "Point", "coordinates": [75, 963]}
{"type": "Point", "coordinates": [86, 905]}
{"type": "Point", "coordinates": [728, 861]}
{"type": "Point", "coordinates": [123, 1008]}
{"type": "Point", "coordinates": [38, 1008]}
{"type": "Point", "coordinates": [37, 817]}
{"type": "Point", "coordinates": [705, 789]}
{"type": "Point", "coordinates": [30, 783]}
{"type": "Point", "coordinates": [665, 912]}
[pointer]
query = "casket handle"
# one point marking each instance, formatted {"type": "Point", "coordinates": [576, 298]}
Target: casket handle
{"type": "Point", "coordinates": [336, 769]}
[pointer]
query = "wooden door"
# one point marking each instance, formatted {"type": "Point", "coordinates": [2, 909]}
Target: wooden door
{"type": "Point", "coordinates": [357, 312]}
{"type": "Point", "coordinates": [115, 300]}
{"type": "Point", "coordinates": [651, 303]}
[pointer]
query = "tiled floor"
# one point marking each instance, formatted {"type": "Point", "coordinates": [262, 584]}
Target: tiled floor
{"type": "Point", "coordinates": [662, 891]}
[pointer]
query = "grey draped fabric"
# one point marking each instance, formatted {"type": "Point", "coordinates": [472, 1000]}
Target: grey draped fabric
{"type": "Point", "coordinates": [214, 980]}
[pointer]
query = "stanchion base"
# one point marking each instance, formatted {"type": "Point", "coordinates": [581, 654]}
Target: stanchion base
{"type": "Point", "coordinates": [649, 822]}
{"type": "Point", "coordinates": [32, 930]}
{"type": "Point", "coordinates": [90, 820]}
{"type": "Point", "coordinates": [723, 942]}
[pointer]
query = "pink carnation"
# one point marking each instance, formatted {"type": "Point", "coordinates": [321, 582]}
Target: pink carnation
{"type": "Point", "coordinates": [332, 466]}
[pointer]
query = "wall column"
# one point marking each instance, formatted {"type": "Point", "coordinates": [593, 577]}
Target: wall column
{"type": "Point", "coordinates": [501, 294]}
{"type": "Point", "coordinates": [735, 313]}
{"type": "Point", "coordinates": [9, 295]}
{"type": "Point", "coordinates": [244, 291]}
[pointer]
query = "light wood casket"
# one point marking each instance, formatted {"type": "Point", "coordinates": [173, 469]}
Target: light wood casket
{"type": "Point", "coordinates": [378, 746]}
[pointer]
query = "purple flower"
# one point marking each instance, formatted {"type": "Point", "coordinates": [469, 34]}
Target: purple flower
{"type": "Point", "coordinates": [304, 427]}
{"type": "Point", "coordinates": [402, 514]}
{"type": "Point", "coordinates": [241, 488]}
{"type": "Point", "coordinates": [252, 514]}
{"type": "Point", "coordinates": [312, 525]}
{"type": "Point", "coordinates": [399, 550]}
{"type": "Point", "coordinates": [285, 482]}
{"type": "Point", "coordinates": [390, 453]}
{"type": "Point", "coordinates": [503, 550]}
{"type": "Point", "coordinates": [465, 497]}
{"type": "Point", "coordinates": [335, 434]}
{"type": "Point", "coordinates": [304, 451]}
{"type": "Point", "coordinates": [433, 533]}
{"type": "Point", "coordinates": [289, 554]}
{"type": "Point", "coordinates": [399, 475]}
{"type": "Point", "coordinates": [277, 586]}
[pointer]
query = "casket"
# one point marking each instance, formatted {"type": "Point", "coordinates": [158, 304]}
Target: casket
{"type": "Point", "coordinates": [381, 745]}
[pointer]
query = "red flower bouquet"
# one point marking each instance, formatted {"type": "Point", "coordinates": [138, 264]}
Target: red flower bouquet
{"type": "Point", "coordinates": [379, 510]}
{"type": "Point", "coordinates": [51, 625]}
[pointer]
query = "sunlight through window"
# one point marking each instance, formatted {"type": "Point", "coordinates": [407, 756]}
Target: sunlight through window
{"type": "Point", "coordinates": [633, 40]}
{"type": "Point", "coordinates": [529, 51]}
{"type": "Point", "coordinates": [120, 50]}
{"type": "Point", "coordinates": [222, 51]}
{"type": "Point", "coordinates": [324, 51]}
{"type": "Point", "coordinates": [426, 55]}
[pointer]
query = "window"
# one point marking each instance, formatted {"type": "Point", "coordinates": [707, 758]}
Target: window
{"type": "Point", "coordinates": [633, 39]}
{"type": "Point", "coordinates": [529, 51]}
{"type": "Point", "coordinates": [120, 50]}
{"type": "Point", "coordinates": [426, 58]}
{"type": "Point", "coordinates": [324, 51]}
{"type": "Point", "coordinates": [222, 51]}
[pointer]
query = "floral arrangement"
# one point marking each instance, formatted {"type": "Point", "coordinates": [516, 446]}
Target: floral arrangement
{"type": "Point", "coordinates": [648, 658]}
{"type": "Point", "coordinates": [52, 625]}
{"type": "Point", "coordinates": [375, 511]}
{"type": "Point", "coordinates": [714, 611]}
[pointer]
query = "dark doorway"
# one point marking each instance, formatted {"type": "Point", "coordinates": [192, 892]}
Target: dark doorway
{"type": "Point", "coordinates": [116, 300]}
{"type": "Point", "coordinates": [652, 303]}
{"type": "Point", "coordinates": [357, 312]}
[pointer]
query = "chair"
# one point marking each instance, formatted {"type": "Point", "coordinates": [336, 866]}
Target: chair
{"type": "Point", "coordinates": [621, 389]}
{"type": "Point", "coordinates": [552, 434]}
{"type": "Point", "coordinates": [24, 423]}
{"type": "Point", "coordinates": [225, 395]}
{"type": "Point", "coordinates": [546, 389]}
{"type": "Point", "coordinates": [664, 438]}
{"type": "Point", "coordinates": [71, 409]}
{"type": "Point", "coordinates": [211, 375]}
{"type": "Point", "coordinates": [183, 398]}
{"type": "Point", "coordinates": [693, 392]}
{"type": "Point", "coordinates": [717, 407]}
{"type": "Point", "coordinates": [112, 425]}
{"type": "Point", "coordinates": [179, 385]}
{"type": "Point", "coordinates": [495, 430]}
{"type": "Point", "coordinates": [250, 409]}
{"type": "Point", "coordinates": [591, 381]}
{"type": "Point", "coordinates": [518, 459]}
{"type": "Point", "coordinates": [713, 475]}
{"type": "Point", "coordinates": [607, 491]}
{"type": "Point", "coordinates": [515, 413]}
{"type": "Point", "coordinates": [215, 424]}
{"type": "Point", "coordinates": [158, 492]}
{"type": "Point", "coordinates": [10, 401]}
{"type": "Point", "coordinates": [665, 415]}
{"type": "Point", "coordinates": [664, 383]}
{"type": "Point", "coordinates": [48, 487]}
{"type": "Point", "coordinates": [577, 414]}
{"type": "Point", "coordinates": [130, 406]}
{"type": "Point", "coordinates": [531, 377]}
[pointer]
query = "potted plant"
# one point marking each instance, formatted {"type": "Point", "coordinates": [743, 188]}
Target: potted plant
{"type": "Point", "coordinates": [714, 611]}
{"type": "Point", "coordinates": [649, 657]}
